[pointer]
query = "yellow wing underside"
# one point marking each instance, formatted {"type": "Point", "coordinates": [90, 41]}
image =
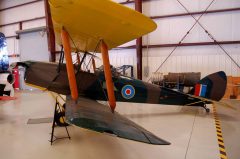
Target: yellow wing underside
{"type": "Point", "coordinates": [89, 21]}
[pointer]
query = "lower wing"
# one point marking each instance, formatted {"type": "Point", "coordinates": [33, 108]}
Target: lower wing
{"type": "Point", "coordinates": [90, 114]}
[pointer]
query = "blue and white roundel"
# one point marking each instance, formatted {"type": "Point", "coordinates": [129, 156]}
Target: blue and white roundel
{"type": "Point", "coordinates": [128, 92]}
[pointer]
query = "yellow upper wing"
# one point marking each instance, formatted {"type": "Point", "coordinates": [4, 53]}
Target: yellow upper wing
{"type": "Point", "coordinates": [89, 21]}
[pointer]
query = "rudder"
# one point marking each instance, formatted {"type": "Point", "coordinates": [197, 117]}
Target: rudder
{"type": "Point", "coordinates": [211, 87]}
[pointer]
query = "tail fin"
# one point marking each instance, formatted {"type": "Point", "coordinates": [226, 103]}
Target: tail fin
{"type": "Point", "coordinates": [211, 87]}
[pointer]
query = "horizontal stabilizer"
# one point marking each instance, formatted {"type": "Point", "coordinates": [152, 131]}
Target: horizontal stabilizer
{"type": "Point", "coordinates": [92, 115]}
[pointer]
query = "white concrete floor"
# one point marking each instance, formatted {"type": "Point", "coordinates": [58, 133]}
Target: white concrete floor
{"type": "Point", "coordinates": [230, 121]}
{"type": "Point", "coordinates": [190, 130]}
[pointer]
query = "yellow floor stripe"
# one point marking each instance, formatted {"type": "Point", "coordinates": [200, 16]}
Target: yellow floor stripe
{"type": "Point", "coordinates": [221, 143]}
{"type": "Point", "coordinates": [220, 138]}
{"type": "Point", "coordinates": [223, 156]}
{"type": "Point", "coordinates": [222, 151]}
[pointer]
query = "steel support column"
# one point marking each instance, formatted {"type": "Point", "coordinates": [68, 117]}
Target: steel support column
{"type": "Point", "coordinates": [138, 7]}
{"type": "Point", "coordinates": [50, 33]}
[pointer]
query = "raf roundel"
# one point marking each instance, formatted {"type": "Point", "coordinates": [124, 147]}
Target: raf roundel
{"type": "Point", "coordinates": [128, 92]}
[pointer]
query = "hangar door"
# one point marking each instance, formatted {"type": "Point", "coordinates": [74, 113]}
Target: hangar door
{"type": "Point", "coordinates": [33, 45]}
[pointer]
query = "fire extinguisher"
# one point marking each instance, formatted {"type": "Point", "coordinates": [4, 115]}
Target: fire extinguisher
{"type": "Point", "coordinates": [16, 76]}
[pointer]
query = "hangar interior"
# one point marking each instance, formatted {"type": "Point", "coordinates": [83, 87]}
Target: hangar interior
{"type": "Point", "coordinates": [200, 37]}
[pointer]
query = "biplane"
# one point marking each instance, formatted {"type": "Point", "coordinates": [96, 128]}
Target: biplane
{"type": "Point", "coordinates": [6, 77]}
{"type": "Point", "coordinates": [84, 27]}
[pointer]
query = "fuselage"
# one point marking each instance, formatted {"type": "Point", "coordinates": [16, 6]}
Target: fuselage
{"type": "Point", "coordinates": [93, 85]}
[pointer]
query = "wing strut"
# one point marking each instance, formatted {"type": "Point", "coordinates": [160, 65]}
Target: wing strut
{"type": "Point", "coordinates": [69, 64]}
{"type": "Point", "coordinates": [108, 76]}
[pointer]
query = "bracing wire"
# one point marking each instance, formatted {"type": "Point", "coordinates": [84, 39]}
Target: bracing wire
{"type": "Point", "coordinates": [210, 35]}
{"type": "Point", "coordinates": [77, 50]}
{"type": "Point", "coordinates": [94, 53]}
{"type": "Point", "coordinates": [182, 39]}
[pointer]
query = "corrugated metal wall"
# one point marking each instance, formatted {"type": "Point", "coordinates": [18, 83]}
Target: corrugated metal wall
{"type": "Point", "coordinates": [205, 59]}
{"type": "Point", "coordinates": [21, 13]}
